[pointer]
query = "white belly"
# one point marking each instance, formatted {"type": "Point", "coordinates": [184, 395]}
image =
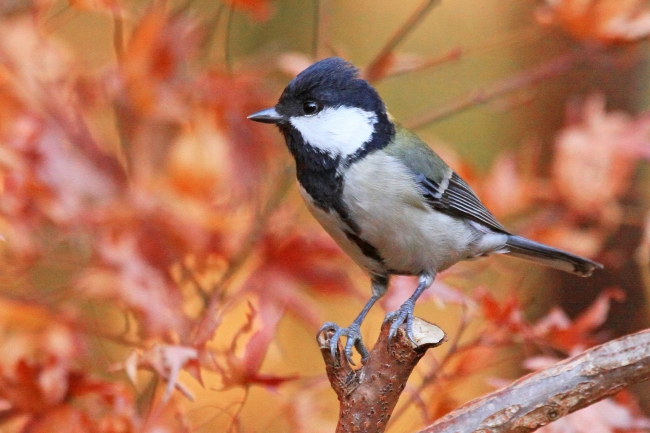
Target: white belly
{"type": "Point", "coordinates": [411, 237]}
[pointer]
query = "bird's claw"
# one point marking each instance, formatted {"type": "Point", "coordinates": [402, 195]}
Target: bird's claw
{"type": "Point", "coordinates": [353, 335]}
{"type": "Point", "coordinates": [403, 315]}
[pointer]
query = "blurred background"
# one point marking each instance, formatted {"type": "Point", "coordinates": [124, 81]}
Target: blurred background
{"type": "Point", "coordinates": [160, 272]}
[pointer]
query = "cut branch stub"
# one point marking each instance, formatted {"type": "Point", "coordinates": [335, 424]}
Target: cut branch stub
{"type": "Point", "coordinates": [368, 395]}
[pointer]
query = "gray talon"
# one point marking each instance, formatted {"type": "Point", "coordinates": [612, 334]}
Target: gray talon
{"type": "Point", "coordinates": [353, 335]}
{"type": "Point", "coordinates": [403, 315]}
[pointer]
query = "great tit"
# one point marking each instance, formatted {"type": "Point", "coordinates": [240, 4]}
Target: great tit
{"type": "Point", "coordinates": [390, 202]}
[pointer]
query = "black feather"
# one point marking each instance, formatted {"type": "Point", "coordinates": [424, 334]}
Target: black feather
{"type": "Point", "coordinates": [457, 199]}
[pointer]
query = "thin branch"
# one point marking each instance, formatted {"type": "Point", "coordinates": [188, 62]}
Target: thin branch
{"type": "Point", "coordinates": [521, 37]}
{"type": "Point", "coordinates": [551, 69]}
{"type": "Point", "coordinates": [118, 35]}
{"type": "Point", "coordinates": [377, 65]}
{"type": "Point", "coordinates": [368, 395]}
{"type": "Point", "coordinates": [545, 396]}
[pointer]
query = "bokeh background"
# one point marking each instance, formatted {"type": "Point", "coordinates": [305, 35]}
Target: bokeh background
{"type": "Point", "coordinates": [160, 273]}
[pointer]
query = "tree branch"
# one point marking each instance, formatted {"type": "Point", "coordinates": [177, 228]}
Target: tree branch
{"type": "Point", "coordinates": [369, 395]}
{"type": "Point", "coordinates": [527, 78]}
{"type": "Point", "coordinates": [540, 398]}
{"type": "Point", "coordinates": [378, 65]}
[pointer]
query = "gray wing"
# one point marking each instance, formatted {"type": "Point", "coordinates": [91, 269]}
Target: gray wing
{"type": "Point", "coordinates": [453, 196]}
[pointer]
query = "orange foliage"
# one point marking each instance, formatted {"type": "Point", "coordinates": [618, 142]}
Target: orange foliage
{"type": "Point", "coordinates": [604, 21]}
{"type": "Point", "coordinates": [152, 231]}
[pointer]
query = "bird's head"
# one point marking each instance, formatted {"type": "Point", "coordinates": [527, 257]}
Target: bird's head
{"type": "Point", "coordinates": [331, 110]}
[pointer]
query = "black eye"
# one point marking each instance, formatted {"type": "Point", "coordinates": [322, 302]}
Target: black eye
{"type": "Point", "coordinates": [311, 107]}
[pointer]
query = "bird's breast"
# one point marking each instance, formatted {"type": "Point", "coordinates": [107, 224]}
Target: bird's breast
{"type": "Point", "coordinates": [383, 199]}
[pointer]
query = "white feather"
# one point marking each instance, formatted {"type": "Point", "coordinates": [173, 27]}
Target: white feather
{"type": "Point", "coordinates": [337, 131]}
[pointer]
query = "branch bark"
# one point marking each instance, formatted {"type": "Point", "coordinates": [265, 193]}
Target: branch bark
{"type": "Point", "coordinates": [540, 398]}
{"type": "Point", "coordinates": [368, 395]}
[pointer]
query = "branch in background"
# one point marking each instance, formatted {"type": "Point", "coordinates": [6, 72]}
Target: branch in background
{"type": "Point", "coordinates": [517, 38]}
{"type": "Point", "coordinates": [551, 69]}
{"type": "Point", "coordinates": [380, 63]}
{"type": "Point", "coordinates": [540, 398]}
{"type": "Point", "coordinates": [118, 35]}
{"type": "Point", "coordinates": [368, 395]}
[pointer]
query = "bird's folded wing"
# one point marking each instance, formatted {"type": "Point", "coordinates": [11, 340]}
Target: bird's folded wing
{"type": "Point", "coordinates": [453, 196]}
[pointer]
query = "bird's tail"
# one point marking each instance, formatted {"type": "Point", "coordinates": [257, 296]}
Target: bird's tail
{"type": "Point", "coordinates": [528, 250]}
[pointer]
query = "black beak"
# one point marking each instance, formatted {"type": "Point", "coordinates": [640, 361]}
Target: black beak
{"type": "Point", "coordinates": [266, 116]}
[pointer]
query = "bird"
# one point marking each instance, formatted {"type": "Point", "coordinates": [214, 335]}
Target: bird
{"type": "Point", "coordinates": [386, 198]}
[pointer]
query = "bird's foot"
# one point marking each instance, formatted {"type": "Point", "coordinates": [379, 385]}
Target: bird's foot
{"type": "Point", "coordinates": [353, 335]}
{"type": "Point", "coordinates": [403, 315]}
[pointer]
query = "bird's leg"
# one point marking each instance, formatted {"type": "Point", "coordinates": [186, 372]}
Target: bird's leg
{"type": "Point", "coordinates": [353, 332]}
{"type": "Point", "coordinates": [405, 312]}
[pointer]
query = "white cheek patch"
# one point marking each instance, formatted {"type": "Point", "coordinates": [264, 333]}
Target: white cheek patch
{"type": "Point", "coordinates": [337, 131]}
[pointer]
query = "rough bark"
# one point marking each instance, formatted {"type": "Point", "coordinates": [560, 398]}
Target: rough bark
{"type": "Point", "coordinates": [540, 398]}
{"type": "Point", "coordinates": [369, 394]}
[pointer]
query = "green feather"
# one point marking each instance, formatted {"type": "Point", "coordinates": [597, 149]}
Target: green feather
{"type": "Point", "coordinates": [417, 155]}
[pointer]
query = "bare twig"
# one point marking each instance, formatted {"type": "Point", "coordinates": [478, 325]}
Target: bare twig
{"type": "Point", "coordinates": [527, 78]}
{"type": "Point", "coordinates": [540, 398]}
{"type": "Point", "coordinates": [368, 395]}
{"type": "Point", "coordinates": [378, 64]}
{"type": "Point", "coordinates": [521, 37]}
{"type": "Point", "coordinates": [118, 35]}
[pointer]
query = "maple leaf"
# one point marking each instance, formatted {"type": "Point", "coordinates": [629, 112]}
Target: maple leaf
{"type": "Point", "coordinates": [595, 156]}
{"type": "Point", "coordinates": [154, 68]}
{"type": "Point", "coordinates": [557, 330]}
{"type": "Point", "coordinates": [291, 262]}
{"type": "Point", "coordinates": [506, 316]}
{"type": "Point", "coordinates": [604, 21]}
{"type": "Point", "coordinates": [167, 361]}
{"type": "Point", "coordinates": [244, 371]}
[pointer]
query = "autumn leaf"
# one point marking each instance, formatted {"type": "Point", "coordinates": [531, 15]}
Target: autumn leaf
{"type": "Point", "coordinates": [595, 156]}
{"type": "Point", "coordinates": [243, 371]}
{"type": "Point", "coordinates": [557, 330]}
{"type": "Point", "coordinates": [154, 68]}
{"type": "Point", "coordinates": [604, 21]}
{"type": "Point", "coordinates": [167, 361]}
{"type": "Point", "coordinates": [504, 316]}
{"type": "Point", "coordinates": [290, 264]}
